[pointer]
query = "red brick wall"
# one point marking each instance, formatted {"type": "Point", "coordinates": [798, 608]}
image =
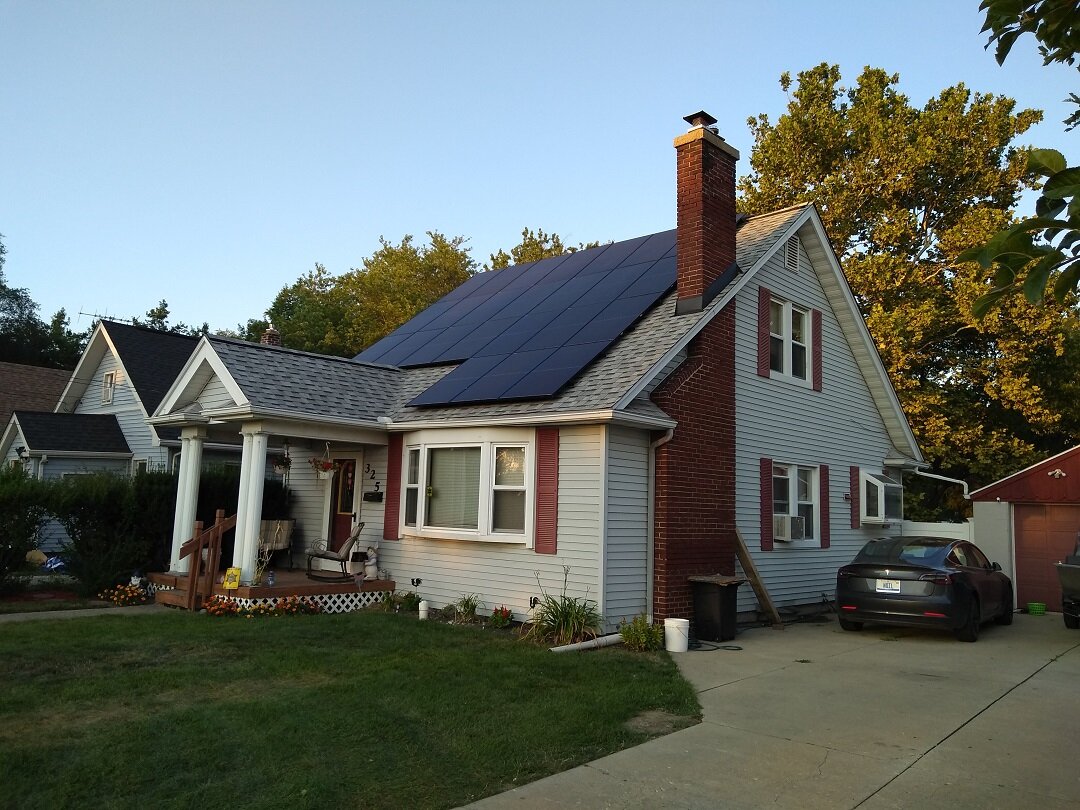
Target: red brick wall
{"type": "Point", "coordinates": [694, 511]}
{"type": "Point", "coordinates": [706, 214]}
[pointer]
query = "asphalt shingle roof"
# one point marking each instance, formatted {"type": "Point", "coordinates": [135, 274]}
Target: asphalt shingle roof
{"type": "Point", "coordinates": [29, 388]}
{"type": "Point", "coordinates": [276, 378]}
{"type": "Point", "coordinates": [153, 359]}
{"type": "Point", "coordinates": [79, 432]}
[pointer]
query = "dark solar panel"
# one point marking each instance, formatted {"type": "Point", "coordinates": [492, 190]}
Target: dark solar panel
{"type": "Point", "coordinates": [524, 332]}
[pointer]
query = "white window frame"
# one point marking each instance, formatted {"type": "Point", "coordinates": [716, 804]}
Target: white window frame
{"type": "Point", "coordinates": [488, 440]}
{"type": "Point", "coordinates": [790, 471]}
{"type": "Point", "coordinates": [788, 342]}
{"type": "Point", "coordinates": [138, 464]}
{"type": "Point", "coordinates": [108, 386]}
{"type": "Point", "coordinates": [882, 483]}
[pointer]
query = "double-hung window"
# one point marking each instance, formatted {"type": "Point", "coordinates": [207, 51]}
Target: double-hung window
{"type": "Point", "coordinates": [108, 385]}
{"type": "Point", "coordinates": [470, 490]}
{"type": "Point", "coordinates": [795, 501]}
{"type": "Point", "coordinates": [789, 339]}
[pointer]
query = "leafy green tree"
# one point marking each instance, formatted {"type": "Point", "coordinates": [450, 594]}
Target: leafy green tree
{"type": "Point", "coordinates": [310, 315]}
{"type": "Point", "coordinates": [533, 247]}
{"type": "Point", "coordinates": [398, 281]}
{"type": "Point", "coordinates": [158, 318]}
{"type": "Point", "coordinates": [902, 192]}
{"type": "Point", "coordinates": [1040, 252]}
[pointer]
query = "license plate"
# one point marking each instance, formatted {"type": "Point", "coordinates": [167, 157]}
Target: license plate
{"type": "Point", "coordinates": [888, 586]}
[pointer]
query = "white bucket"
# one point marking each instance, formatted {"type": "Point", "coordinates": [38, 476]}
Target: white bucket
{"type": "Point", "coordinates": [676, 634]}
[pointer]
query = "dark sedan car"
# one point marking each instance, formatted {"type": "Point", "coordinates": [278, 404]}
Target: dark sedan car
{"type": "Point", "coordinates": [926, 582]}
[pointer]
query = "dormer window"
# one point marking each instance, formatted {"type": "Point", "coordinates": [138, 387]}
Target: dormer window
{"type": "Point", "coordinates": [108, 385]}
{"type": "Point", "coordinates": [789, 339]}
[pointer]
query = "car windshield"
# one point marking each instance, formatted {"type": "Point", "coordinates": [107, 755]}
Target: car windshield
{"type": "Point", "coordinates": [915, 550]}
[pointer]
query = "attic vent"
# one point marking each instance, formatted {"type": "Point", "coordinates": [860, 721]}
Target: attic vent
{"type": "Point", "coordinates": [791, 254]}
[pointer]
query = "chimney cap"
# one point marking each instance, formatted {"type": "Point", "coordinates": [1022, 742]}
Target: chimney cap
{"type": "Point", "coordinates": [700, 119]}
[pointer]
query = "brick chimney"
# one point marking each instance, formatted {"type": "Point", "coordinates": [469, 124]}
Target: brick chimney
{"type": "Point", "coordinates": [271, 337]}
{"type": "Point", "coordinates": [706, 216]}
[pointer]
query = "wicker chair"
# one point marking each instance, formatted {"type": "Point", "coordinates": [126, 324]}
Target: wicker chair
{"type": "Point", "coordinates": [341, 557]}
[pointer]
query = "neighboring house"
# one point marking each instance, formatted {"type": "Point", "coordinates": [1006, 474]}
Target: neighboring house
{"type": "Point", "coordinates": [1031, 520]}
{"type": "Point", "coordinates": [98, 421]}
{"type": "Point", "coordinates": [615, 413]}
{"type": "Point", "coordinates": [29, 388]}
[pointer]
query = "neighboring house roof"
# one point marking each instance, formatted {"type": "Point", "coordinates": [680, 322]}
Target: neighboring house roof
{"type": "Point", "coordinates": [1053, 480]}
{"type": "Point", "coordinates": [151, 360]}
{"type": "Point", "coordinates": [84, 433]}
{"type": "Point", "coordinates": [29, 388]}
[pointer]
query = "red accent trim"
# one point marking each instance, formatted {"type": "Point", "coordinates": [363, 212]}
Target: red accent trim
{"type": "Point", "coordinates": [823, 493]}
{"type": "Point", "coordinates": [815, 336]}
{"type": "Point", "coordinates": [855, 493]}
{"type": "Point", "coordinates": [764, 331]}
{"type": "Point", "coordinates": [766, 505]}
{"type": "Point", "coordinates": [393, 488]}
{"type": "Point", "coordinates": [547, 491]}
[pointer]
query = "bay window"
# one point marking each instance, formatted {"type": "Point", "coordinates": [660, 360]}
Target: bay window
{"type": "Point", "coordinates": [468, 485]}
{"type": "Point", "coordinates": [882, 498]}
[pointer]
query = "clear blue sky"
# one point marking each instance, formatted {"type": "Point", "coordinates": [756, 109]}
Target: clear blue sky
{"type": "Point", "coordinates": [210, 153]}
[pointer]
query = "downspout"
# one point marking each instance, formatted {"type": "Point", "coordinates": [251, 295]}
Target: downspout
{"type": "Point", "coordinates": [967, 496]}
{"type": "Point", "coordinates": [652, 507]}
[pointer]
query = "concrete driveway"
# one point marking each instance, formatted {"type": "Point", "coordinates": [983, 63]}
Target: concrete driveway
{"type": "Point", "coordinates": [813, 717]}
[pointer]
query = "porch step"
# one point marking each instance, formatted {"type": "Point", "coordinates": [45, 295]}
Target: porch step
{"type": "Point", "coordinates": [174, 598]}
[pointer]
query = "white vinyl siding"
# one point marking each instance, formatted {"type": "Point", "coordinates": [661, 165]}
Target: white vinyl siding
{"type": "Point", "coordinates": [215, 395]}
{"type": "Point", "coordinates": [506, 573]}
{"type": "Point", "coordinates": [838, 426]}
{"type": "Point", "coordinates": [128, 411]}
{"type": "Point", "coordinates": [626, 549]}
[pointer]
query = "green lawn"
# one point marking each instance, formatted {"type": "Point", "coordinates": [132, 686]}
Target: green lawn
{"type": "Point", "coordinates": [355, 710]}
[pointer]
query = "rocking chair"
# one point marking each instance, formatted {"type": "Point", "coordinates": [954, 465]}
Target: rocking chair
{"type": "Point", "coordinates": [341, 557]}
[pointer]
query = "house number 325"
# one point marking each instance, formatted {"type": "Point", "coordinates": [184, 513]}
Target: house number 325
{"type": "Point", "coordinates": [369, 471]}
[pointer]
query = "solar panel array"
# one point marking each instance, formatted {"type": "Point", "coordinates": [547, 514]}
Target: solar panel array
{"type": "Point", "coordinates": [526, 331]}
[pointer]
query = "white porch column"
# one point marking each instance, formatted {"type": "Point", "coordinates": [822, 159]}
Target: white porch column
{"type": "Point", "coordinates": [249, 507]}
{"type": "Point", "coordinates": [187, 492]}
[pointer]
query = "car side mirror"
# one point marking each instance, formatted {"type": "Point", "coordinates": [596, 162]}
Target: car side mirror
{"type": "Point", "coordinates": [995, 566]}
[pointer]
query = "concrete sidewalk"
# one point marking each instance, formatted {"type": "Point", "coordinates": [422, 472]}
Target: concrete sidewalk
{"type": "Point", "coordinates": [813, 717]}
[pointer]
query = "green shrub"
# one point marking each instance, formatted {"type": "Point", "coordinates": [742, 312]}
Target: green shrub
{"type": "Point", "coordinates": [99, 514]}
{"type": "Point", "coordinates": [564, 619]}
{"type": "Point", "coordinates": [24, 512]}
{"type": "Point", "coordinates": [640, 636]}
{"type": "Point", "coordinates": [465, 608]}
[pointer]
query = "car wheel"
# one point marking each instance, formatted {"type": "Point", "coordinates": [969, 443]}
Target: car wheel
{"type": "Point", "coordinates": [1072, 622]}
{"type": "Point", "coordinates": [847, 624]}
{"type": "Point", "coordinates": [1006, 616]}
{"type": "Point", "coordinates": [970, 629]}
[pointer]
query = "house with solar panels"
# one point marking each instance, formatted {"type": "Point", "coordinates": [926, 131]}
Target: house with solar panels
{"type": "Point", "coordinates": [618, 416]}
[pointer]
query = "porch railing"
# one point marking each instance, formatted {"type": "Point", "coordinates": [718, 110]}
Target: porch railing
{"type": "Point", "coordinates": [205, 552]}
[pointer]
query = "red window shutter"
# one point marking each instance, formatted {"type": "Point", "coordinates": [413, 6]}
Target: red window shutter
{"type": "Point", "coordinates": [547, 490]}
{"type": "Point", "coordinates": [764, 332]}
{"type": "Point", "coordinates": [855, 493]}
{"type": "Point", "coordinates": [815, 337]}
{"type": "Point", "coordinates": [393, 488]}
{"type": "Point", "coordinates": [766, 505]}
{"type": "Point", "coordinates": [823, 496]}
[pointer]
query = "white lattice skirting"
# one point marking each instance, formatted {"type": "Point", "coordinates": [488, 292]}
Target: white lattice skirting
{"type": "Point", "coordinates": [330, 602]}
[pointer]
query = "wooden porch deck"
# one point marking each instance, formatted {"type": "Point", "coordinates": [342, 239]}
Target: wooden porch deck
{"type": "Point", "coordinates": [171, 588]}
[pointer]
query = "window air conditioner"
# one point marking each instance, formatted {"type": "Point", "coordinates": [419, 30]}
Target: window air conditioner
{"type": "Point", "coordinates": [787, 528]}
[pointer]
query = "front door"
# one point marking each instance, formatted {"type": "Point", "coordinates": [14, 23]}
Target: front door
{"type": "Point", "coordinates": [343, 502]}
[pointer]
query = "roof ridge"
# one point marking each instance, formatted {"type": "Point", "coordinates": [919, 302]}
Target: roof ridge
{"type": "Point", "coordinates": [285, 349]}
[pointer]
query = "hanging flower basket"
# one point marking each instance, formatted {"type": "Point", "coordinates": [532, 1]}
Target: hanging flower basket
{"type": "Point", "coordinates": [280, 464]}
{"type": "Point", "coordinates": [324, 467]}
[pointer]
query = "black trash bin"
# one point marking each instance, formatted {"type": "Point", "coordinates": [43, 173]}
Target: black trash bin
{"type": "Point", "coordinates": [715, 607]}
